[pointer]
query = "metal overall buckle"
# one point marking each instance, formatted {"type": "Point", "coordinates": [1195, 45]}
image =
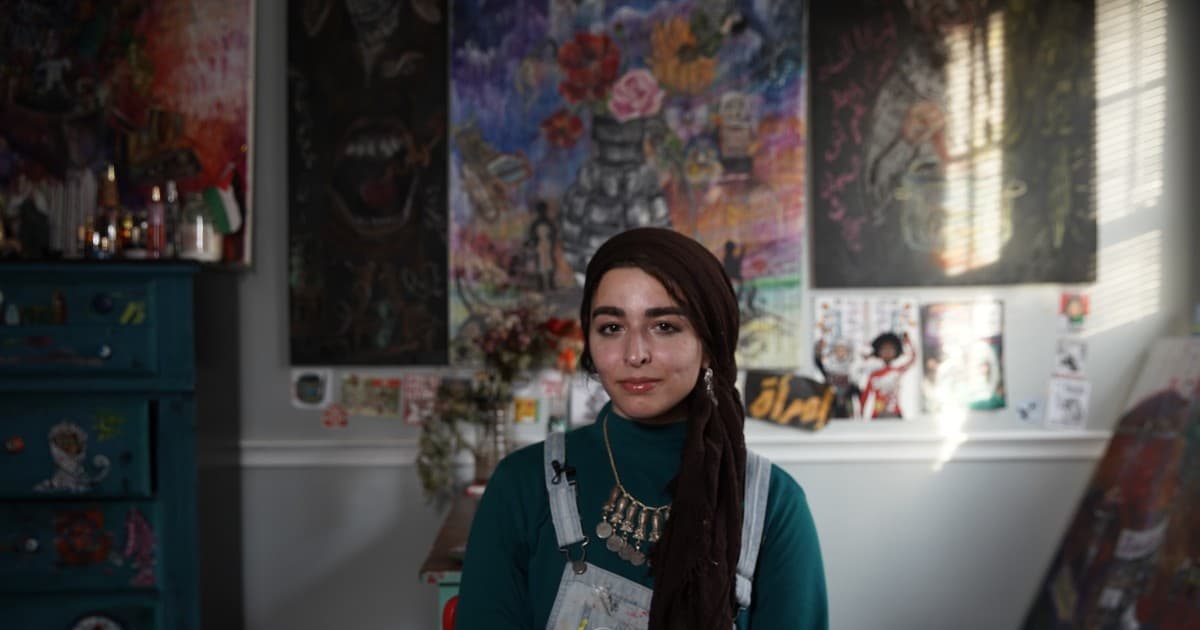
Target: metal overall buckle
{"type": "Point", "coordinates": [578, 566]}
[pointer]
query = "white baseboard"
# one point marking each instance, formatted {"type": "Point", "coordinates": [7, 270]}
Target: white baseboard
{"type": "Point", "coordinates": [800, 448]}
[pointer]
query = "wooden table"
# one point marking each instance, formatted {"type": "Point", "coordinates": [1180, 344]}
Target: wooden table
{"type": "Point", "coordinates": [443, 566]}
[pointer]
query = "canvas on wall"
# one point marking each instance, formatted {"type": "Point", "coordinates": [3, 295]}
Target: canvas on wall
{"type": "Point", "coordinates": [953, 142]}
{"type": "Point", "coordinates": [367, 182]}
{"type": "Point", "coordinates": [159, 89]}
{"type": "Point", "coordinates": [573, 121]}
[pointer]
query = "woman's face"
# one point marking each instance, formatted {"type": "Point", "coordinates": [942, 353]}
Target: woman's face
{"type": "Point", "coordinates": [645, 350]}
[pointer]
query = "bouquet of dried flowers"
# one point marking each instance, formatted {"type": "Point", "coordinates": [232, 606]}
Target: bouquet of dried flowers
{"type": "Point", "coordinates": [468, 413]}
{"type": "Point", "coordinates": [510, 340]}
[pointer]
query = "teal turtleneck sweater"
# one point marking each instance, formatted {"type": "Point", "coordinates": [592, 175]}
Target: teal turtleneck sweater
{"type": "Point", "coordinates": [513, 565]}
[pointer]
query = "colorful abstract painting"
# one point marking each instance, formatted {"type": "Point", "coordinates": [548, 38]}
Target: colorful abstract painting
{"type": "Point", "coordinates": [953, 143]}
{"type": "Point", "coordinates": [573, 120]}
{"type": "Point", "coordinates": [161, 89]}
{"type": "Point", "coordinates": [1130, 557]}
{"type": "Point", "coordinates": [367, 182]}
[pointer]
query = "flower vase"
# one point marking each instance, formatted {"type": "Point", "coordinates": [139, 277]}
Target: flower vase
{"type": "Point", "coordinates": [491, 440]}
{"type": "Point", "coordinates": [615, 189]}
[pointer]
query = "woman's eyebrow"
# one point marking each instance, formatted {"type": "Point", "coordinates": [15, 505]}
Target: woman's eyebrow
{"type": "Point", "coordinates": [657, 311]}
{"type": "Point", "coordinates": [662, 311]}
{"type": "Point", "coordinates": [608, 310]}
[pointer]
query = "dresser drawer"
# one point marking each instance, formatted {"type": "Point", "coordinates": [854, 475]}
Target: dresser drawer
{"type": "Point", "coordinates": [74, 328]}
{"type": "Point", "coordinates": [74, 445]}
{"type": "Point", "coordinates": [54, 547]}
{"type": "Point", "coordinates": [81, 613]}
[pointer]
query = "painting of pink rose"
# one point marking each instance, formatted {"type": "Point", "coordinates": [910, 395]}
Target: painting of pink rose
{"type": "Point", "coordinates": [635, 95]}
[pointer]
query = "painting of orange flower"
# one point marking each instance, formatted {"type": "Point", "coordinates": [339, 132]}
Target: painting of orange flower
{"type": "Point", "coordinates": [676, 59]}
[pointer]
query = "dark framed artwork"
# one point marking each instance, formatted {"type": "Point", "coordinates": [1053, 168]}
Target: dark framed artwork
{"type": "Point", "coordinates": [367, 182]}
{"type": "Point", "coordinates": [953, 142]}
{"type": "Point", "coordinates": [573, 121]}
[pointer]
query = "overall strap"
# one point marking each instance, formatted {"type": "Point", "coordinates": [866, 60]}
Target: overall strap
{"type": "Point", "coordinates": [561, 490]}
{"type": "Point", "coordinates": [754, 512]}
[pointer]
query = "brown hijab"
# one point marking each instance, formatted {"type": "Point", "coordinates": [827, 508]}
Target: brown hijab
{"type": "Point", "coordinates": [694, 564]}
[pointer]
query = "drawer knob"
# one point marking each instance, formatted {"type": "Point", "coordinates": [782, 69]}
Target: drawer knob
{"type": "Point", "coordinates": [105, 351]}
{"type": "Point", "coordinates": [31, 545]}
{"type": "Point", "coordinates": [102, 303]}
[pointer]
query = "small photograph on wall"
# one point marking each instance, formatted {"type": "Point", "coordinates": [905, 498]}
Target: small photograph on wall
{"type": "Point", "coordinates": [1067, 403]}
{"type": "Point", "coordinates": [864, 348]}
{"type": "Point", "coordinates": [963, 366]}
{"type": "Point", "coordinates": [1071, 357]}
{"type": "Point", "coordinates": [574, 121]}
{"type": "Point", "coordinates": [953, 142]}
{"type": "Point", "coordinates": [1073, 310]}
{"type": "Point", "coordinates": [367, 117]}
{"type": "Point", "coordinates": [161, 90]}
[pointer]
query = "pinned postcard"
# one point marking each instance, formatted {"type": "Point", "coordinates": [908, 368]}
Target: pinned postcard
{"type": "Point", "coordinates": [1067, 405]}
{"type": "Point", "coordinates": [334, 417]}
{"type": "Point", "coordinates": [418, 395]}
{"type": "Point", "coordinates": [1073, 309]}
{"type": "Point", "coordinates": [1071, 357]}
{"type": "Point", "coordinates": [369, 395]}
{"type": "Point", "coordinates": [312, 388]}
{"type": "Point", "coordinates": [525, 410]}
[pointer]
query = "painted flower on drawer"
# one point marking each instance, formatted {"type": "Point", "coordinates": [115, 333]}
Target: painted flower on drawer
{"type": "Point", "coordinates": [140, 548]}
{"type": "Point", "coordinates": [80, 538]}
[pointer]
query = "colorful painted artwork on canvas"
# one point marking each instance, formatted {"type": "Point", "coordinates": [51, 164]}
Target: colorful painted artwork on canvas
{"type": "Point", "coordinates": [160, 89]}
{"type": "Point", "coordinates": [575, 120]}
{"type": "Point", "coordinates": [953, 143]}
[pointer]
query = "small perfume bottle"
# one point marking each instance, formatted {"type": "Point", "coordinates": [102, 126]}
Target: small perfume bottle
{"type": "Point", "coordinates": [171, 213]}
{"type": "Point", "coordinates": [156, 230]}
{"type": "Point", "coordinates": [106, 219]}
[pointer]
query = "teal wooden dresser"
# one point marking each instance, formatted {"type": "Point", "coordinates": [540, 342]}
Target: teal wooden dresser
{"type": "Point", "coordinates": [97, 430]}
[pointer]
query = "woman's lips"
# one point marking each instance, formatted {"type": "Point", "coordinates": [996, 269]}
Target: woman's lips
{"type": "Point", "coordinates": [638, 385]}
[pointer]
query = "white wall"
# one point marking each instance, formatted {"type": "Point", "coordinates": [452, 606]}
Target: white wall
{"type": "Point", "coordinates": [292, 539]}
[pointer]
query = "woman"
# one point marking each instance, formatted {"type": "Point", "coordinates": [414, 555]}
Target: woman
{"type": "Point", "coordinates": [638, 519]}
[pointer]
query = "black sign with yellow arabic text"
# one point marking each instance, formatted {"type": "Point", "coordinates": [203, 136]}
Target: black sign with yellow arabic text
{"type": "Point", "coordinates": [786, 398]}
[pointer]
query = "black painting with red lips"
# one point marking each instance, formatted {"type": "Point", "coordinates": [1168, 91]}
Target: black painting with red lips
{"type": "Point", "coordinates": [367, 103]}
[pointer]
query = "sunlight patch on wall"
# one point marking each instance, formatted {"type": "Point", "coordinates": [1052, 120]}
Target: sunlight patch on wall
{"type": "Point", "coordinates": [977, 222]}
{"type": "Point", "coordinates": [1131, 62]}
{"type": "Point", "coordinates": [1130, 278]}
{"type": "Point", "coordinates": [950, 422]}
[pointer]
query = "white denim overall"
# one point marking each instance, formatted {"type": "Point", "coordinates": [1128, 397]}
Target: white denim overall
{"type": "Point", "coordinates": [591, 598]}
